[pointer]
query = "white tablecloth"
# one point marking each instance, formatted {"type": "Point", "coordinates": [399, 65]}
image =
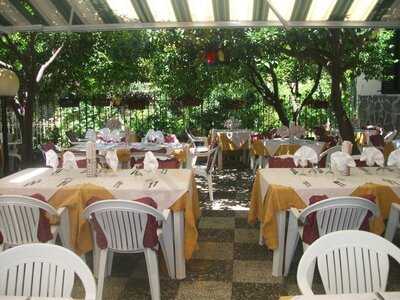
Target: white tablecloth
{"type": "Point", "coordinates": [273, 145]}
{"type": "Point", "coordinates": [170, 187]}
{"type": "Point", "coordinates": [323, 184]}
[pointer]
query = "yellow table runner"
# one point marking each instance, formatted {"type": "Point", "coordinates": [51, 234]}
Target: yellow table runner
{"type": "Point", "coordinates": [74, 198]}
{"type": "Point", "coordinates": [258, 148]}
{"type": "Point", "coordinates": [280, 198]}
{"type": "Point", "coordinates": [287, 149]}
{"type": "Point", "coordinates": [227, 145]}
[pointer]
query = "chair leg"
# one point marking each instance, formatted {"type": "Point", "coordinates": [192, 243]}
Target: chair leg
{"type": "Point", "coordinates": [210, 187]}
{"type": "Point", "coordinates": [110, 257]}
{"type": "Point", "coordinates": [101, 272]}
{"type": "Point", "coordinates": [392, 223]}
{"type": "Point", "coordinates": [152, 270]}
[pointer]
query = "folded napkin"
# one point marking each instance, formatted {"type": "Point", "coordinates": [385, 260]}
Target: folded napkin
{"type": "Point", "coordinates": [377, 140]}
{"type": "Point", "coordinates": [115, 135]}
{"type": "Point", "coordinates": [372, 156]}
{"type": "Point", "coordinates": [52, 159]}
{"type": "Point", "coordinates": [69, 161]}
{"type": "Point", "coordinates": [171, 139]}
{"type": "Point", "coordinates": [304, 155]}
{"type": "Point", "coordinates": [150, 162]}
{"type": "Point", "coordinates": [283, 131]}
{"type": "Point", "coordinates": [112, 159]}
{"type": "Point", "coordinates": [90, 135]}
{"type": "Point", "coordinates": [347, 147]}
{"type": "Point", "coordinates": [150, 238]}
{"type": "Point", "coordinates": [171, 163]}
{"type": "Point", "coordinates": [341, 160]}
{"type": "Point", "coordinates": [394, 159]}
{"type": "Point", "coordinates": [105, 134]}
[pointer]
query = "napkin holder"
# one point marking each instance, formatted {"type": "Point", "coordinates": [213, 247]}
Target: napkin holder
{"type": "Point", "coordinates": [91, 160]}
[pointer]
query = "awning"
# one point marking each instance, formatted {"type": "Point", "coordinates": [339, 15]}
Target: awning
{"type": "Point", "coordinates": [101, 15]}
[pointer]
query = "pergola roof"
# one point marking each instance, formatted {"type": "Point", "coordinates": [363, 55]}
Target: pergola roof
{"type": "Point", "coordinates": [97, 15]}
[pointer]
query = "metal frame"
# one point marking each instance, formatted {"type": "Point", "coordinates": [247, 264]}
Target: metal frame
{"type": "Point", "coordinates": [218, 24]}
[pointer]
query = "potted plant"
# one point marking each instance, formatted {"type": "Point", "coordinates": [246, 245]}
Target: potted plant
{"type": "Point", "coordinates": [137, 100]}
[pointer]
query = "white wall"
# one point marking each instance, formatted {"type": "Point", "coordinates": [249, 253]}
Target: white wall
{"type": "Point", "coordinates": [368, 87]}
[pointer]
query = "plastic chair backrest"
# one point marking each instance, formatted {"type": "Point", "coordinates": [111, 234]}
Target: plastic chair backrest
{"type": "Point", "coordinates": [19, 218]}
{"type": "Point", "coordinates": [123, 222]}
{"type": "Point", "coordinates": [349, 261]}
{"type": "Point", "coordinates": [43, 270]}
{"type": "Point", "coordinates": [339, 213]}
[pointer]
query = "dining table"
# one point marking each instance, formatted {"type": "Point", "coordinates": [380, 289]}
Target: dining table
{"type": "Point", "coordinates": [172, 189]}
{"type": "Point", "coordinates": [360, 296]}
{"type": "Point", "coordinates": [137, 150]}
{"type": "Point", "coordinates": [276, 190]}
{"type": "Point", "coordinates": [231, 140]}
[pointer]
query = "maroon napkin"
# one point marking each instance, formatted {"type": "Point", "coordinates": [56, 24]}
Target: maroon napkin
{"type": "Point", "coordinates": [377, 140]}
{"type": "Point", "coordinates": [310, 229]}
{"type": "Point", "coordinates": [279, 162]}
{"type": "Point", "coordinates": [170, 138]}
{"type": "Point", "coordinates": [44, 233]}
{"type": "Point", "coordinates": [48, 146]}
{"type": "Point", "coordinates": [150, 238]}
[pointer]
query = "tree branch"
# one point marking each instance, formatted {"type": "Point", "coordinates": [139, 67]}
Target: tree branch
{"type": "Point", "coordinates": [44, 66]}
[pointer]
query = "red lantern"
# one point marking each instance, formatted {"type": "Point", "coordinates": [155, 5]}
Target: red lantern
{"type": "Point", "coordinates": [211, 57]}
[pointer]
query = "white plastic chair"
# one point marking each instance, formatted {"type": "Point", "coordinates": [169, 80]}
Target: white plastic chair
{"type": "Point", "coordinates": [43, 270]}
{"type": "Point", "coordinates": [207, 170]}
{"type": "Point", "coordinates": [123, 223]}
{"type": "Point", "coordinates": [349, 261]}
{"type": "Point", "coordinates": [327, 153]}
{"type": "Point", "coordinates": [197, 140]}
{"type": "Point", "coordinates": [19, 220]}
{"type": "Point", "coordinates": [334, 214]}
{"type": "Point", "coordinates": [393, 221]}
{"type": "Point", "coordinates": [390, 136]}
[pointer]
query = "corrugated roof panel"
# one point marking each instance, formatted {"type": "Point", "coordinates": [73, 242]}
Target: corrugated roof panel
{"type": "Point", "coordinates": [320, 10]}
{"type": "Point", "coordinates": [360, 10]}
{"type": "Point", "coordinates": [201, 11]}
{"type": "Point", "coordinates": [49, 11]}
{"type": "Point", "coordinates": [13, 15]}
{"type": "Point", "coordinates": [124, 10]}
{"type": "Point", "coordinates": [85, 11]}
{"type": "Point", "coordinates": [162, 11]}
{"type": "Point", "coordinates": [241, 10]}
{"type": "Point", "coordinates": [284, 8]}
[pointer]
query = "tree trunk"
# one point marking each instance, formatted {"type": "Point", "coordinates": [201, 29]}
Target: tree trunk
{"type": "Point", "coordinates": [280, 110]}
{"type": "Point", "coordinates": [336, 71]}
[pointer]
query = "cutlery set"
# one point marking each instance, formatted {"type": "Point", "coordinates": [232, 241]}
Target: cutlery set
{"type": "Point", "coordinates": [33, 182]}
{"type": "Point", "coordinates": [136, 173]}
{"type": "Point", "coordinates": [306, 183]}
{"type": "Point", "coordinates": [65, 181]}
{"type": "Point", "coordinates": [57, 172]}
{"type": "Point", "coordinates": [339, 183]}
{"type": "Point", "coordinates": [117, 184]}
{"type": "Point", "coordinates": [152, 184]}
{"type": "Point", "coordinates": [293, 171]}
{"type": "Point", "coordinates": [164, 171]}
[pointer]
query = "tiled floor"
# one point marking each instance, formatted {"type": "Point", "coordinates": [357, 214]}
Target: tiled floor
{"type": "Point", "coordinates": [229, 263]}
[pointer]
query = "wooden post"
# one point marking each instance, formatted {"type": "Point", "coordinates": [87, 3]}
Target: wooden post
{"type": "Point", "coordinates": [4, 126]}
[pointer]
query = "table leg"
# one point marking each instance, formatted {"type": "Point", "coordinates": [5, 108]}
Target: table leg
{"type": "Point", "coordinates": [179, 240]}
{"type": "Point", "coordinates": [279, 253]}
{"type": "Point", "coordinates": [291, 242]}
{"type": "Point", "coordinates": [64, 229]}
{"type": "Point", "coordinates": [220, 159]}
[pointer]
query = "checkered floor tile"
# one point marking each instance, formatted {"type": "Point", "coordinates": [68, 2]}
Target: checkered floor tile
{"type": "Point", "coordinates": [229, 263]}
